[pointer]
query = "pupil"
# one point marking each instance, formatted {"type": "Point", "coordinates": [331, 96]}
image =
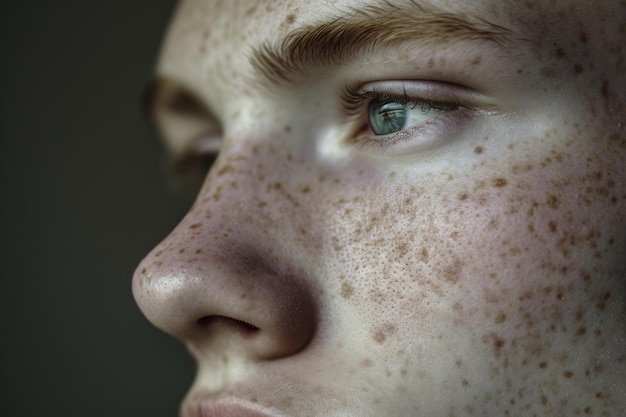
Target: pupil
{"type": "Point", "coordinates": [386, 118]}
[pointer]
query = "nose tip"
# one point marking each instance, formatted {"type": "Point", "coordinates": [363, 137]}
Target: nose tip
{"type": "Point", "coordinates": [232, 297]}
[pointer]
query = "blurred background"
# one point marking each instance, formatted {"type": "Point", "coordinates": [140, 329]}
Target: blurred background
{"type": "Point", "coordinates": [84, 198]}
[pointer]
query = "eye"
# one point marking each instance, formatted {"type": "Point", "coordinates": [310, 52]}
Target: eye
{"type": "Point", "coordinates": [399, 117]}
{"type": "Point", "coordinates": [386, 117]}
{"type": "Point", "coordinates": [191, 133]}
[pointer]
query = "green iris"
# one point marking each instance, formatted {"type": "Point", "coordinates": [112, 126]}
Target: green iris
{"type": "Point", "coordinates": [387, 117]}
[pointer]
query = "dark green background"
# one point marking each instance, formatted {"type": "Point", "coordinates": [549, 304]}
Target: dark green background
{"type": "Point", "coordinates": [83, 198]}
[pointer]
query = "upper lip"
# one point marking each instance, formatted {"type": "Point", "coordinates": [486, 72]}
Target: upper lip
{"type": "Point", "coordinates": [226, 407]}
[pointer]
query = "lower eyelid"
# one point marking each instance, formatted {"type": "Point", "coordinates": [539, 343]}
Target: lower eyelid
{"type": "Point", "coordinates": [418, 138]}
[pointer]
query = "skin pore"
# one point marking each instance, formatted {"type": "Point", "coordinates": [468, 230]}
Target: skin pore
{"type": "Point", "coordinates": [470, 263]}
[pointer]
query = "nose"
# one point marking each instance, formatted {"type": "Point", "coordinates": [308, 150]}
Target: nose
{"type": "Point", "coordinates": [227, 278]}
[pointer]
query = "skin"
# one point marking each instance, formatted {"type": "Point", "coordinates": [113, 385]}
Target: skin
{"type": "Point", "coordinates": [483, 275]}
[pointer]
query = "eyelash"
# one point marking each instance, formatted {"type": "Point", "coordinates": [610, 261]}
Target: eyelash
{"type": "Point", "coordinates": [355, 102]}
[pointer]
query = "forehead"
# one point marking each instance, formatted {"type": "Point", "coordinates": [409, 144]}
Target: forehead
{"type": "Point", "coordinates": [211, 44]}
{"type": "Point", "coordinates": [212, 35]}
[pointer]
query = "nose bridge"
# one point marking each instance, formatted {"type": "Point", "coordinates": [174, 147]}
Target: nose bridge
{"type": "Point", "coordinates": [252, 190]}
{"type": "Point", "coordinates": [218, 279]}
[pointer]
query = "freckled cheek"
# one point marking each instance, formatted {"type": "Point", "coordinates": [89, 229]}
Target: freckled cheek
{"type": "Point", "coordinates": [414, 246]}
{"type": "Point", "coordinates": [395, 251]}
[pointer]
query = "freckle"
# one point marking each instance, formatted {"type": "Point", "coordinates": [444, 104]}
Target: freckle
{"type": "Point", "coordinates": [379, 337]}
{"type": "Point", "coordinates": [543, 365]}
{"type": "Point", "coordinates": [290, 19]}
{"type": "Point", "coordinates": [159, 253]}
{"type": "Point", "coordinates": [544, 400]}
{"type": "Point", "coordinates": [478, 150]}
{"type": "Point", "coordinates": [579, 314]}
{"type": "Point", "coordinates": [251, 10]}
{"type": "Point", "coordinates": [458, 363]}
{"type": "Point", "coordinates": [560, 52]}
{"type": "Point", "coordinates": [181, 250]}
{"type": "Point", "coordinates": [498, 343]}
{"type": "Point", "coordinates": [581, 331]}
{"type": "Point", "coordinates": [424, 256]}
{"type": "Point", "coordinates": [465, 382]}
{"type": "Point", "coordinates": [476, 60]}
{"type": "Point", "coordinates": [143, 271]}
{"type": "Point", "coordinates": [583, 37]}
{"type": "Point", "coordinates": [568, 374]}
{"type": "Point", "coordinates": [346, 290]}
{"type": "Point", "coordinates": [553, 202]}
{"type": "Point", "coordinates": [578, 69]}
{"type": "Point", "coordinates": [381, 334]}
{"type": "Point", "coordinates": [587, 410]}
{"type": "Point", "coordinates": [500, 182]}
{"type": "Point", "coordinates": [452, 273]}
{"type": "Point", "coordinates": [552, 226]}
{"type": "Point", "coordinates": [402, 249]}
{"type": "Point", "coordinates": [463, 196]}
{"type": "Point", "coordinates": [195, 226]}
{"type": "Point", "coordinates": [198, 250]}
{"type": "Point", "coordinates": [500, 318]}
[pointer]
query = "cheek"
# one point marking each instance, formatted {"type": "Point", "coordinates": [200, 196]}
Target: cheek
{"type": "Point", "coordinates": [509, 244]}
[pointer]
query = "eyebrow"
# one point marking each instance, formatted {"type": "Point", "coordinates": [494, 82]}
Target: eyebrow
{"type": "Point", "coordinates": [362, 30]}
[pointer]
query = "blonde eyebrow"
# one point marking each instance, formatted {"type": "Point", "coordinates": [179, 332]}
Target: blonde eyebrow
{"type": "Point", "coordinates": [362, 30]}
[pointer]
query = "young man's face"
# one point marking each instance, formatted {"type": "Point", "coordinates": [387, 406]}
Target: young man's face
{"type": "Point", "coordinates": [418, 207]}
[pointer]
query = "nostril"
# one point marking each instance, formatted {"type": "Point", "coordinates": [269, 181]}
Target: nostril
{"type": "Point", "coordinates": [250, 303]}
{"type": "Point", "coordinates": [248, 325]}
{"type": "Point", "coordinates": [229, 324]}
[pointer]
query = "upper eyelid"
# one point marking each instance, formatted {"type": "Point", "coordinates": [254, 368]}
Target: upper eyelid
{"type": "Point", "coordinates": [355, 98]}
{"type": "Point", "coordinates": [353, 95]}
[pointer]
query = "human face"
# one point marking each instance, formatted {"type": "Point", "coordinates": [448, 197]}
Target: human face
{"type": "Point", "coordinates": [417, 208]}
